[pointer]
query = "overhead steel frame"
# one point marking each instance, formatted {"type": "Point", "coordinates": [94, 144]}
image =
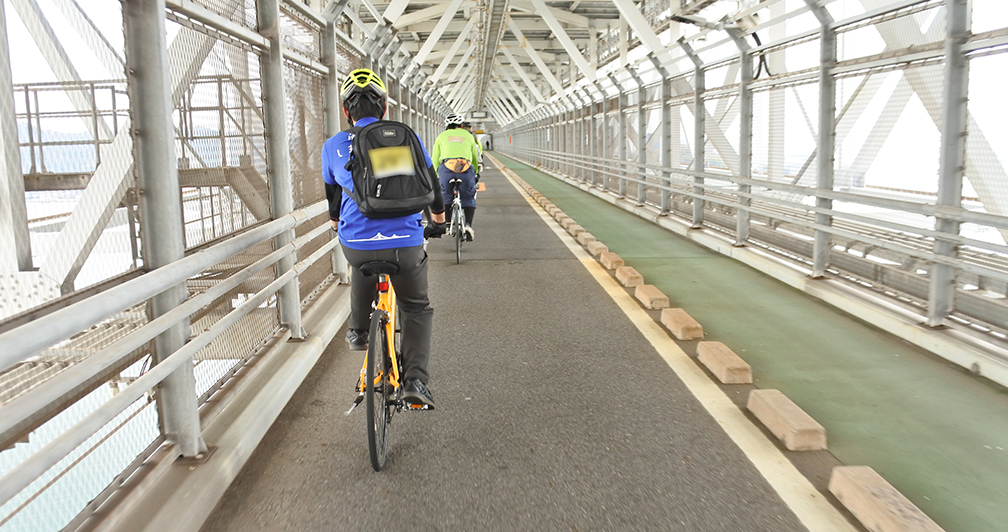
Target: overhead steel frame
{"type": "Point", "coordinates": [161, 204]}
{"type": "Point", "coordinates": [952, 160]}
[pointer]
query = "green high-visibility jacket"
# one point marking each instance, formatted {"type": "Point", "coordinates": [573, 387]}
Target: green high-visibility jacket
{"type": "Point", "coordinates": [455, 143]}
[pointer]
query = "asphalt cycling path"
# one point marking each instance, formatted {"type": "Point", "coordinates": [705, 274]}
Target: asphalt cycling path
{"type": "Point", "coordinates": [553, 413]}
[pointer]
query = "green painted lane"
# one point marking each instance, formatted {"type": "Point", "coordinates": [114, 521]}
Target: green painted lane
{"type": "Point", "coordinates": [934, 431]}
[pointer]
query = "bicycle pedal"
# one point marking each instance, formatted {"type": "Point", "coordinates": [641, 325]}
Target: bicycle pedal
{"type": "Point", "coordinates": [356, 402]}
{"type": "Point", "coordinates": [416, 407]}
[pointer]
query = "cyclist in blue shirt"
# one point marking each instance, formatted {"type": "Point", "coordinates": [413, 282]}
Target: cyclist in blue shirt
{"type": "Point", "coordinates": [398, 240]}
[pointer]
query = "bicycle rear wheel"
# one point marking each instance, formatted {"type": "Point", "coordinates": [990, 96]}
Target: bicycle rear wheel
{"type": "Point", "coordinates": [378, 390]}
{"type": "Point", "coordinates": [458, 228]}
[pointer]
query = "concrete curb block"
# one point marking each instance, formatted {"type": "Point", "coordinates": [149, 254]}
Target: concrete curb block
{"type": "Point", "coordinates": [628, 276]}
{"type": "Point", "coordinates": [681, 324]}
{"type": "Point", "coordinates": [727, 366]}
{"type": "Point", "coordinates": [651, 297]}
{"type": "Point", "coordinates": [610, 260]}
{"type": "Point", "coordinates": [585, 238]}
{"type": "Point", "coordinates": [875, 503]}
{"type": "Point", "coordinates": [575, 230]}
{"type": "Point", "coordinates": [789, 423]}
{"type": "Point", "coordinates": [596, 248]}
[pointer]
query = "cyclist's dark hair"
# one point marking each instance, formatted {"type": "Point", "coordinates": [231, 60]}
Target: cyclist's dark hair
{"type": "Point", "coordinates": [365, 108]}
{"type": "Point", "coordinates": [452, 126]}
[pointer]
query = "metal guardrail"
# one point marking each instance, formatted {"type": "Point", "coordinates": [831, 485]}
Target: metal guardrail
{"type": "Point", "coordinates": [25, 341]}
{"type": "Point", "coordinates": [724, 191]}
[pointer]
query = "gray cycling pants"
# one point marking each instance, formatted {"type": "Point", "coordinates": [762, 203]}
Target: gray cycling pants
{"type": "Point", "coordinates": [410, 285]}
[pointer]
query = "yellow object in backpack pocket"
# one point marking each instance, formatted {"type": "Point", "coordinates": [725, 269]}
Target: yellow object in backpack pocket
{"type": "Point", "coordinates": [458, 165]}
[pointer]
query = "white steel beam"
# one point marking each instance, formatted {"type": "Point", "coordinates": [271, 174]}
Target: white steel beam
{"type": "Point", "coordinates": [560, 14]}
{"type": "Point", "coordinates": [524, 75]}
{"type": "Point", "coordinates": [15, 240]}
{"type": "Point", "coordinates": [543, 69]}
{"type": "Point", "coordinates": [91, 36]}
{"type": "Point", "coordinates": [395, 10]}
{"type": "Point", "coordinates": [561, 35]}
{"type": "Point", "coordinates": [640, 25]}
{"type": "Point", "coordinates": [453, 51]}
{"type": "Point", "coordinates": [462, 62]}
{"type": "Point", "coordinates": [514, 86]}
{"type": "Point", "coordinates": [435, 35]}
{"type": "Point", "coordinates": [420, 15]}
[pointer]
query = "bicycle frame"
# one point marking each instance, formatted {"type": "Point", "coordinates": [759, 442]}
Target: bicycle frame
{"type": "Point", "coordinates": [386, 301]}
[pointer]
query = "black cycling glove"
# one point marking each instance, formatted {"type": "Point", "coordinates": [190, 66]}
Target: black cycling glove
{"type": "Point", "coordinates": [434, 230]}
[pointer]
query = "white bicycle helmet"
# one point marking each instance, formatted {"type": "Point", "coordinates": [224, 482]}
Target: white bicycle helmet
{"type": "Point", "coordinates": [453, 119]}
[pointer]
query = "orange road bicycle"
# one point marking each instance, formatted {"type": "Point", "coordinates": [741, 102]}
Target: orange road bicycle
{"type": "Point", "coordinates": [379, 386]}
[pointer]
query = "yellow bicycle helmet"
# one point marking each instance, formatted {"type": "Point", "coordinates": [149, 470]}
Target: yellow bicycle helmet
{"type": "Point", "coordinates": [363, 83]}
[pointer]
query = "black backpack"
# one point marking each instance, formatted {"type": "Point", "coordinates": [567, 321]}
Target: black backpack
{"type": "Point", "coordinates": [390, 177]}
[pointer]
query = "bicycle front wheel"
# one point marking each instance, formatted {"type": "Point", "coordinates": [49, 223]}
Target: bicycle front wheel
{"type": "Point", "coordinates": [378, 390]}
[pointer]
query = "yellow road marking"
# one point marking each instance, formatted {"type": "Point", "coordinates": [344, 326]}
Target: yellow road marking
{"type": "Point", "coordinates": [810, 506]}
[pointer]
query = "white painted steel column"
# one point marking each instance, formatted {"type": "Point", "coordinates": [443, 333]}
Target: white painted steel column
{"type": "Point", "coordinates": [827, 130]}
{"type": "Point", "coordinates": [15, 241]}
{"type": "Point", "coordinates": [278, 153]}
{"type": "Point", "coordinates": [604, 154]}
{"type": "Point", "coordinates": [333, 113]}
{"type": "Point", "coordinates": [745, 136]}
{"type": "Point", "coordinates": [666, 137]}
{"type": "Point", "coordinates": [641, 138]}
{"type": "Point", "coordinates": [699, 140]}
{"type": "Point", "coordinates": [622, 139]}
{"type": "Point", "coordinates": [161, 205]}
{"type": "Point", "coordinates": [941, 297]}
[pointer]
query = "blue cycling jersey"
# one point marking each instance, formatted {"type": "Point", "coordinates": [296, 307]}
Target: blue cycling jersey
{"type": "Point", "coordinates": [357, 231]}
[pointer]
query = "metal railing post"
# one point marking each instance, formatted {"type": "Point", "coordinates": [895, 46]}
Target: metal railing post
{"type": "Point", "coordinates": [941, 294]}
{"type": "Point", "coordinates": [699, 125]}
{"type": "Point", "coordinates": [593, 139]}
{"type": "Point", "coordinates": [161, 204]}
{"type": "Point", "coordinates": [827, 132]}
{"type": "Point", "coordinates": [278, 153]}
{"type": "Point", "coordinates": [15, 253]}
{"type": "Point", "coordinates": [666, 137]}
{"type": "Point", "coordinates": [604, 152]}
{"type": "Point", "coordinates": [641, 138]}
{"type": "Point", "coordinates": [621, 152]}
{"type": "Point", "coordinates": [745, 136]}
{"type": "Point", "coordinates": [333, 112]}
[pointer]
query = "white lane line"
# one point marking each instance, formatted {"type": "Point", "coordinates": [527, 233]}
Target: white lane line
{"type": "Point", "coordinates": [810, 506]}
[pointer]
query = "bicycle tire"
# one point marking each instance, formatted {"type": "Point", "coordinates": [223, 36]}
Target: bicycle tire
{"type": "Point", "coordinates": [376, 396]}
{"type": "Point", "coordinates": [459, 230]}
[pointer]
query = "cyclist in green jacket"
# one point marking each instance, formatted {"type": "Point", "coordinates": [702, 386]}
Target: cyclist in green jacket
{"type": "Point", "coordinates": [456, 156]}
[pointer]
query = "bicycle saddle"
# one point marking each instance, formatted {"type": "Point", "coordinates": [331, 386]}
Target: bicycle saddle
{"type": "Point", "coordinates": [379, 266]}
